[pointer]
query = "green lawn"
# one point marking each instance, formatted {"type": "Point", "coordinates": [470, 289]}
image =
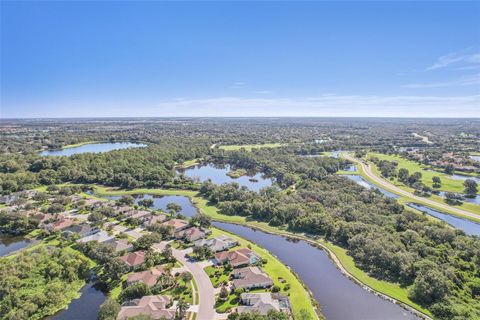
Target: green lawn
{"type": "Point", "coordinates": [447, 183]}
{"type": "Point", "coordinates": [217, 275]}
{"type": "Point", "coordinates": [298, 296]}
{"type": "Point", "coordinates": [249, 147]}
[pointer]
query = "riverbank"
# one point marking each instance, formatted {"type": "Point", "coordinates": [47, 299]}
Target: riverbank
{"type": "Point", "coordinates": [407, 196]}
{"type": "Point", "coordinates": [338, 255]}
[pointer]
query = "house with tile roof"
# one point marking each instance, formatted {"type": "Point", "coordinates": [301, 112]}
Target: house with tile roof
{"type": "Point", "coordinates": [250, 278]}
{"type": "Point", "coordinates": [190, 234]}
{"type": "Point", "coordinates": [263, 302]}
{"type": "Point", "coordinates": [154, 307]}
{"type": "Point", "coordinates": [134, 259]}
{"type": "Point", "coordinates": [101, 236]}
{"type": "Point", "coordinates": [149, 277]}
{"type": "Point", "coordinates": [176, 224]}
{"type": "Point", "coordinates": [237, 258]}
{"type": "Point", "coordinates": [217, 244]}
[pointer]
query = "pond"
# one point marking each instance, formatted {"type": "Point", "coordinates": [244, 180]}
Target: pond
{"type": "Point", "coordinates": [86, 307]}
{"type": "Point", "coordinates": [476, 158]}
{"type": "Point", "coordinates": [469, 227]}
{"type": "Point", "coordinates": [474, 200]}
{"type": "Point", "coordinates": [339, 297]}
{"type": "Point", "coordinates": [218, 175]}
{"type": "Point", "coordinates": [92, 147]}
{"type": "Point", "coordinates": [462, 177]}
{"type": "Point", "coordinates": [9, 243]}
{"type": "Point", "coordinates": [351, 168]}
{"type": "Point", "coordinates": [161, 202]}
{"type": "Point", "coordinates": [364, 183]}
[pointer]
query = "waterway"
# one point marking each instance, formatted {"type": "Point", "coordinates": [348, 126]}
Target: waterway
{"type": "Point", "coordinates": [339, 297]}
{"type": "Point", "coordinates": [93, 148]}
{"type": "Point", "coordinates": [9, 243]}
{"type": "Point", "coordinates": [218, 175]}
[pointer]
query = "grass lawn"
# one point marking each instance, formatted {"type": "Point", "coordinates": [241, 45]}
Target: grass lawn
{"type": "Point", "coordinates": [299, 297]}
{"type": "Point", "coordinates": [447, 183]}
{"type": "Point", "coordinates": [249, 147]}
{"type": "Point", "coordinates": [404, 199]}
{"type": "Point", "coordinates": [217, 275]}
{"type": "Point", "coordinates": [189, 163]}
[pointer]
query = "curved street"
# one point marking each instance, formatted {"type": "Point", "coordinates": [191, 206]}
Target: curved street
{"type": "Point", "coordinates": [389, 186]}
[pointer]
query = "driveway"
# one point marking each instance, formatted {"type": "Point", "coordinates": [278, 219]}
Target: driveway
{"type": "Point", "coordinates": [206, 292]}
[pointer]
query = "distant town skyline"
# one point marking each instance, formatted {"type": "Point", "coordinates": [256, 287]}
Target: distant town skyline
{"type": "Point", "coordinates": [240, 59]}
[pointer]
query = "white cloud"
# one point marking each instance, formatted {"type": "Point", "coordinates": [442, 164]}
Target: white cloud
{"type": "Point", "coordinates": [325, 105]}
{"type": "Point", "coordinates": [456, 58]}
{"type": "Point", "coordinates": [237, 85]}
{"type": "Point", "coordinates": [460, 82]}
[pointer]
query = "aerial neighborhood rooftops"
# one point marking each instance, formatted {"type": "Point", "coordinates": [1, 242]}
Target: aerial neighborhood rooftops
{"type": "Point", "coordinates": [101, 236]}
{"type": "Point", "coordinates": [134, 259]}
{"type": "Point", "coordinates": [154, 219]}
{"type": "Point", "coordinates": [177, 224]}
{"type": "Point", "coordinates": [119, 245]}
{"type": "Point", "coordinates": [190, 234]}
{"type": "Point", "coordinates": [263, 302]}
{"type": "Point", "coordinates": [82, 230]}
{"type": "Point", "coordinates": [217, 244]}
{"type": "Point", "coordinates": [60, 224]}
{"type": "Point", "coordinates": [149, 277]}
{"type": "Point", "coordinates": [250, 278]}
{"type": "Point", "coordinates": [237, 258]}
{"type": "Point", "coordinates": [155, 307]}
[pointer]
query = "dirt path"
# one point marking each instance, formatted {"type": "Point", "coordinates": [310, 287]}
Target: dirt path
{"type": "Point", "coordinates": [389, 186]}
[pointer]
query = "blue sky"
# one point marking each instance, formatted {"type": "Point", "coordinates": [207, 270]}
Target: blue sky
{"type": "Point", "coordinates": [80, 59]}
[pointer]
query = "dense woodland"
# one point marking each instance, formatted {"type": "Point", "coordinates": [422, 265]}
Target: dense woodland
{"type": "Point", "coordinates": [34, 283]}
{"type": "Point", "coordinates": [441, 266]}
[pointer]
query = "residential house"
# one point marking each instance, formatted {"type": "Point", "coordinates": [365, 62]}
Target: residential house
{"type": "Point", "coordinates": [59, 224]}
{"type": "Point", "coordinates": [149, 277]}
{"type": "Point", "coordinates": [190, 234]}
{"type": "Point", "coordinates": [220, 243]}
{"type": "Point", "coordinates": [134, 259]}
{"type": "Point", "coordinates": [154, 307]}
{"type": "Point", "coordinates": [237, 258]}
{"type": "Point", "coordinates": [136, 214]}
{"type": "Point", "coordinates": [177, 224]}
{"type": "Point", "coordinates": [119, 245]}
{"type": "Point", "coordinates": [263, 302]}
{"type": "Point", "coordinates": [153, 219]}
{"type": "Point", "coordinates": [250, 278]}
{"type": "Point", "coordinates": [83, 230]}
{"type": "Point", "coordinates": [101, 236]}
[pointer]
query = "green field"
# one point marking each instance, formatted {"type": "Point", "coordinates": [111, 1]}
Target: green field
{"type": "Point", "coordinates": [391, 289]}
{"type": "Point", "coordinates": [403, 199]}
{"type": "Point", "coordinates": [447, 183]}
{"type": "Point", "coordinates": [249, 147]}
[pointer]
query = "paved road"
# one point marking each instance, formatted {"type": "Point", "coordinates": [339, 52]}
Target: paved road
{"type": "Point", "coordinates": [384, 183]}
{"type": "Point", "coordinates": [206, 292]}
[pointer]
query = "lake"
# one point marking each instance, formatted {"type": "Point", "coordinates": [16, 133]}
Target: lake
{"type": "Point", "coordinates": [93, 148]}
{"type": "Point", "coordinates": [85, 308]}
{"type": "Point", "coordinates": [476, 158]}
{"type": "Point", "coordinates": [161, 202]}
{"type": "Point", "coordinates": [469, 227]}
{"type": "Point", "coordinates": [474, 200]}
{"type": "Point", "coordinates": [9, 243]}
{"type": "Point", "coordinates": [218, 175]}
{"type": "Point", "coordinates": [364, 183]}
{"type": "Point", "coordinates": [462, 177]}
{"type": "Point", "coordinates": [339, 297]}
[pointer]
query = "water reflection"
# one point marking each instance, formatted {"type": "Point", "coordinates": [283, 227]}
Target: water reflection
{"type": "Point", "coordinates": [92, 147]}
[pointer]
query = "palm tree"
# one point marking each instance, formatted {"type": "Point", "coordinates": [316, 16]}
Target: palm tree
{"type": "Point", "coordinates": [182, 307]}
